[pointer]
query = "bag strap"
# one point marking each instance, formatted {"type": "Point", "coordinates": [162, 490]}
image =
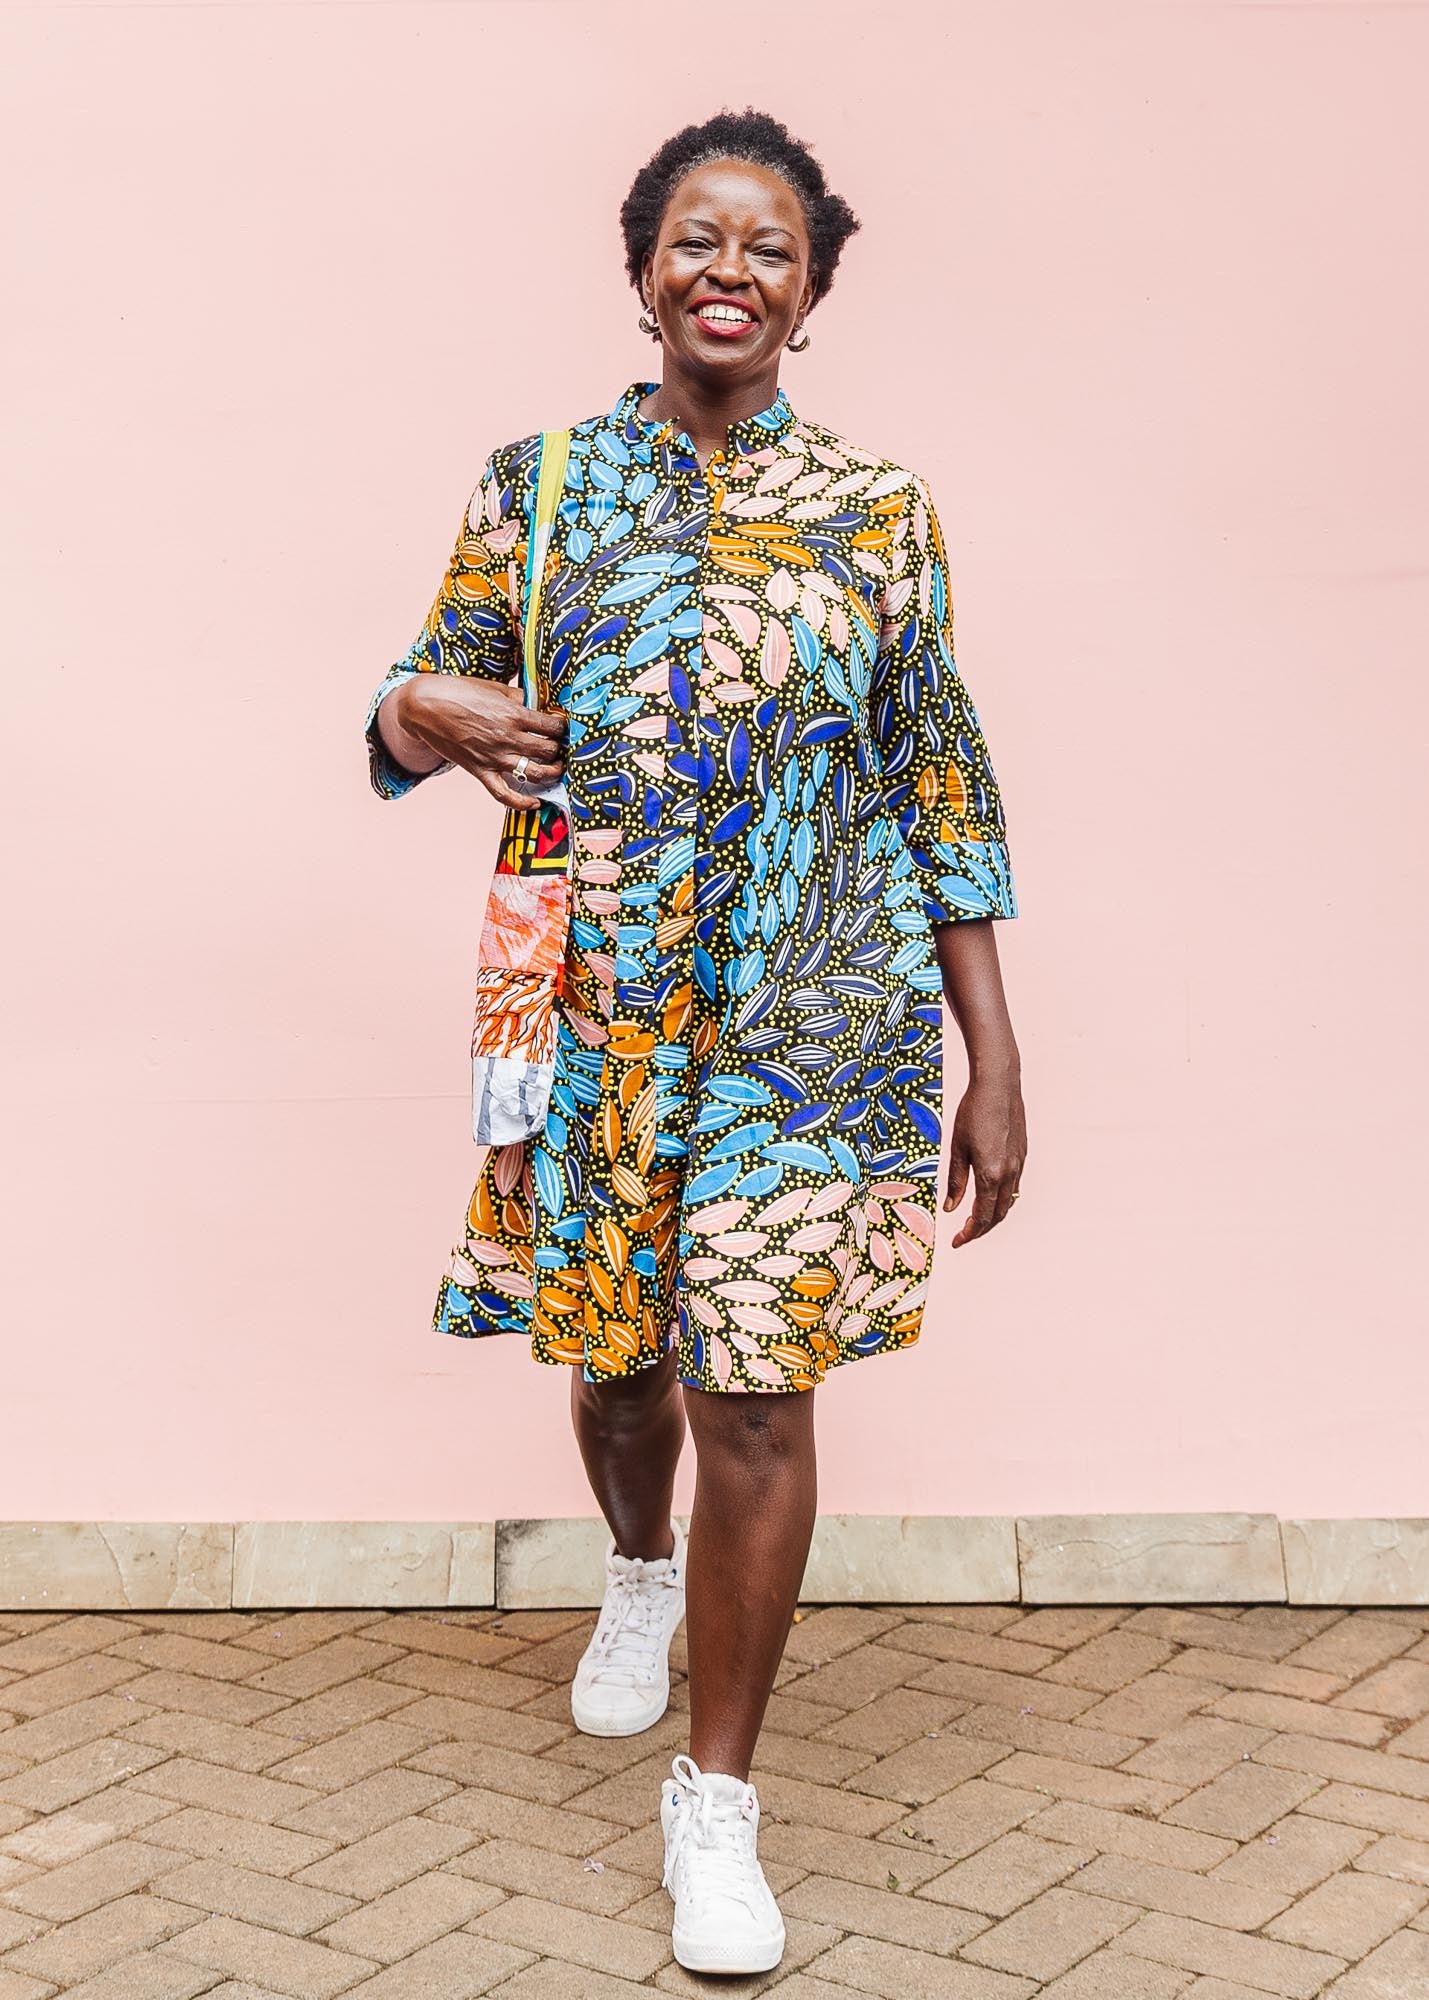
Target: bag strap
{"type": "Point", "coordinates": [555, 449]}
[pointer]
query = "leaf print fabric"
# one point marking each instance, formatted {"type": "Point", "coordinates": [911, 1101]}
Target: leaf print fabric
{"type": "Point", "coordinates": [778, 783]}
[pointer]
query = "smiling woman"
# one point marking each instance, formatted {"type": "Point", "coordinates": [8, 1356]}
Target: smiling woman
{"type": "Point", "coordinates": [786, 845]}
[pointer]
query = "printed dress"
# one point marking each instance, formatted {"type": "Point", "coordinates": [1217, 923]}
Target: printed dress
{"type": "Point", "coordinates": [778, 783]}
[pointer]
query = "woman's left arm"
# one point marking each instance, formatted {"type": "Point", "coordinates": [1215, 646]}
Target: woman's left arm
{"type": "Point", "coordinates": [990, 1128]}
{"type": "Point", "coordinates": [939, 782]}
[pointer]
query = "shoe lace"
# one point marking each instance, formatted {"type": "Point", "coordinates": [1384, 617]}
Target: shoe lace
{"type": "Point", "coordinates": [719, 1830]}
{"type": "Point", "coordinates": [628, 1633]}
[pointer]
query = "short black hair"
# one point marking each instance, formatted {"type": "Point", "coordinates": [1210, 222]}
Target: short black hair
{"type": "Point", "coordinates": [763, 141]}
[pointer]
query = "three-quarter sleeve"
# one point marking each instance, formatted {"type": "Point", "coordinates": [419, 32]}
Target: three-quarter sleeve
{"type": "Point", "coordinates": [472, 626]}
{"type": "Point", "coordinates": [937, 774]}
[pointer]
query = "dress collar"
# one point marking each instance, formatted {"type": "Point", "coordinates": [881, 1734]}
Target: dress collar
{"type": "Point", "coordinates": [756, 433]}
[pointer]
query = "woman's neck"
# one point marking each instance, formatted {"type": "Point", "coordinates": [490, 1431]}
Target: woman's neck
{"type": "Point", "coordinates": [705, 413]}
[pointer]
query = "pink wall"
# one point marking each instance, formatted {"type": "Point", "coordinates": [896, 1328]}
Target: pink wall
{"type": "Point", "coordinates": [1138, 289]}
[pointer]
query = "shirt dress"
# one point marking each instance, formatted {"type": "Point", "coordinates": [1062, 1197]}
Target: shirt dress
{"type": "Point", "coordinates": [778, 783]}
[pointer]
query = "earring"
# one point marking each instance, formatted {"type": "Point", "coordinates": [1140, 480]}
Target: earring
{"type": "Point", "coordinates": [649, 324]}
{"type": "Point", "coordinates": [797, 346]}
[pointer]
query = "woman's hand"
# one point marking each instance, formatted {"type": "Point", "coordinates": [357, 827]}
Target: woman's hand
{"type": "Point", "coordinates": [990, 1144]}
{"type": "Point", "coordinates": [990, 1129]}
{"type": "Point", "coordinates": [485, 727]}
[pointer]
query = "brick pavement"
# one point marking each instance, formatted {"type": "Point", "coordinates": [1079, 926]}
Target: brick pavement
{"type": "Point", "coordinates": [960, 1803]}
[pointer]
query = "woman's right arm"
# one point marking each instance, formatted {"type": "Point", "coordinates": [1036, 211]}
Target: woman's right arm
{"type": "Point", "coordinates": [451, 700]}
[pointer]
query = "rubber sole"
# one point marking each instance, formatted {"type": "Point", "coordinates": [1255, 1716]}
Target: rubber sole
{"type": "Point", "coordinates": [755, 1955]}
{"type": "Point", "coordinates": [591, 1723]}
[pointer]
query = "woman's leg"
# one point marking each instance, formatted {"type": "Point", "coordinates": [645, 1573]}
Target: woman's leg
{"type": "Point", "coordinates": [753, 1519]}
{"type": "Point", "coordinates": [630, 1431]}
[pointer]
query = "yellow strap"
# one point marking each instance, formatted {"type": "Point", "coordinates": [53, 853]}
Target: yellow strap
{"type": "Point", "coordinates": [555, 449]}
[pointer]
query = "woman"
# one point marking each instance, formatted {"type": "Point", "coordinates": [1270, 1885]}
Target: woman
{"type": "Point", "coordinates": [787, 841]}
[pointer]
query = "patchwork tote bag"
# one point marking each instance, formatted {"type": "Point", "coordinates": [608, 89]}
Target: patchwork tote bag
{"type": "Point", "coordinates": [528, 912]}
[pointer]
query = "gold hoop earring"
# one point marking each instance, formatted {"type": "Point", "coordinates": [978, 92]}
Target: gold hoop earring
{"type": "Point", "coordinates": [797, 346]}
{"type": "Point", "coordinates": [649, 324]}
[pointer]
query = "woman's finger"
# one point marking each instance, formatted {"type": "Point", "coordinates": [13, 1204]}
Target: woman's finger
{"type": "Point", "coordinates": [505, 793]}
{"type": "Point", "coordinates": [981, 1217]}
{"type": "Point", "coordinates": [1006, 1194]}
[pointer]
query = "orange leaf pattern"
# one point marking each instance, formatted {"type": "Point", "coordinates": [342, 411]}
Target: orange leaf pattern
{"type": "Point", "coordinates": [777, 784]}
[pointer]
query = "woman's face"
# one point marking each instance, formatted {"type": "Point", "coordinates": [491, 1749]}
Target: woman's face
{"type": "Point", "coordinates": [729, 275]}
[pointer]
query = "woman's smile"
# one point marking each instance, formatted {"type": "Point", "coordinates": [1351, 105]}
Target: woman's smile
{"type": "Point", "coordinates": [727, 319]}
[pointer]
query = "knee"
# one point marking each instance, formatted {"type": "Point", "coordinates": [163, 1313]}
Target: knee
{"type": "Point", "coordinates": [752, 1434]}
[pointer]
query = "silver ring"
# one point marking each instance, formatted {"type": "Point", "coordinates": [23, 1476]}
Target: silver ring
{"type": "Point", "coordinates": [523, 765]}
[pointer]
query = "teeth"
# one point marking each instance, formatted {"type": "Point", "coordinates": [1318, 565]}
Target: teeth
{"type": "Point", "coordinates": [734, 313]}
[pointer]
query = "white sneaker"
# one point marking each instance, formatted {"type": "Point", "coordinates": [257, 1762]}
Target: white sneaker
{"type": "Point", "coordinates": [726, 1918]}
{"type": "Point", "coordinates": [622, 1681]}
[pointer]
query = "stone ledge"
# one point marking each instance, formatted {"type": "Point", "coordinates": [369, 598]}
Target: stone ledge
{"type": "Point", "coordinates": [871, 1558]}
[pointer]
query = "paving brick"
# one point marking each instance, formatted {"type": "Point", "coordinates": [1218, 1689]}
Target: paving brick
{"type": "Point", "coordinates": [225, 1701]}
{"type": "Point", "coordinates": [1352, 1647]}
{"type": "Point", "coordinates": [1380, 1811]}
{"type": "Point", "coordinates": [1121, 1833]}
{"type": "Point", "coordinates": [77, 1680]}
{"type": "Point", "coordinates": [549, 1979]}
{"type": "Point", "coordinates": [61, 1729]}
{"type": "Point", "coordinates": [72, 1952]}
{"type": "Point", "coordinates": [1198, 1751]}
{"type": "Point", "coordinates": [1242, 1801]}
{"type": "Point", "coordinates": [975, 1649]}
{"type": "Point", "coordinates": [17, 1986]}
{"type": "Point", "coordinates": [1006, 1874]}
{"type": "Point", "coordinates": [172, 1652]}
{"type": "Point", "coordinates": [811, 1758]}
{"type": "Point", "coordinates": [298, 1631]}
{"type": "Point", "coordinates": [556, 1931]}
{"type": "Point", "coordinates": [100, 1877]}
{"type": "Point", "coordinates": [891, 1914]}
{"type": "Point", "coordinates": [1090, 1784]}
{"type": "Point", "coordinates": [1289, 1713]}
{"type": "Point", "coordinates": [1395, 1970]}
{"type": "Point", "coordinates": [324, 1667]}
{"type": "Point", "coordinates": [223, 1889]}
{"type": "Point", "coordinates": [1349, 1915]}
{"type": "Point", "coordinates": [212, 1741]}
{"type": "Point", "coordinates": [492, 1687]}
{"type": "Point", "coordinates": [384, 1860]}
{"type": "Point", "coordinates": [501, 1770]}
{"type": "Point", "coordinates": [1293, 1855]}
{"type": "Point", "coordinates": [1111, 1975]}
{"type": "Point", "coordinates": [245, 1794]}
{"type": "Point", "coordinates": [964, 1819]}
{"type": "Point", "coordinates": [495, 1814]}
{"type": "Point", "coordinates": [1111, 1661]}
{"type": "Point", "coordinates": [884, 1724]}
{"type": "Point", "coordinates": [1067, 1625]}
{"type": "Point", "coordinates": [1020, 1691]}
{"type": "Point", "coordinates": [287, 1965]}
{"type": "Point", "coordinates": [1180, 1892]}
{"type": "Point", "coordinates": [1401, 1689]}
{"type": "Point", "coordinates": [1401, 1860]}
{"type": "Point", "coordinates": [446, 1720]}
{"type": "Point", "coordinates": [1347, 1763]}
{"type": "Point", "coordinates": [1152, 1706]}
{"type": "Point", "coordinates": [63, 1781]}
{"type": "Point", "coordinates": [1043, 1735]}
{"type": "Point", "coordinates": [480, 1645]}
{"type": "Point", "coordinates": [248, 1843]}
{"type": "Point", "coordinates": [924, 1770]}
{"type": "Point", "coordinates": [93, 1822]}
{"type": "Point", "coordinates": [898, 1973]}
{"type": "Point", "coordinates": [401, 1922]}
{"type": "Point", "coordinates": [1411, 1742]}
{"type": "Point", "coordinates": [815, 1848]}
{"type": "Point", "coordinates": [1229, 1670]}
{"type": "Point", "coordinates": [1276, 1968]}
{"type": "Point", "coordinates": [1048, 1936]}
{"type": "Point", "coordinates": [857, 1677]}
{"type": "Point", "coordinates": [369, 1805]}
{"type": "Point", "coordinates": [823, 1635]}
{"type": "Point", "coordinates": [149, 1975]}
{"type": "Point", "coordinates": [1203, 1627]}
{"type": "Point", "coordinates": [513, 1866]}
